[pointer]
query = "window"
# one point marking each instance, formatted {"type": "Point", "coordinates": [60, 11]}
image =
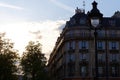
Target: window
{"type": "Point", "coordinates": [59, 63]}
{"type": "Point", "coordinates": [112, 22]}
{"type": "Point", "coordinates": [101, 33]}
{"type": "Point", "coordinates": [70, 57]}
{"type": "Point", "coordinates": [71, 70]}
{"type": "Point", "coordinates": [70, 45]}
{"type": "Point", "coordinates": [100, 70]}
{"type": "Point", "coordinates": [83, 56]}
{"type": "Point", "coordinates": [83, 33]}
{"type": "Point", "coordinates": [83, 45]}
{"type": "Point", "coordinates": [83, 20]}
{"type": "Point", "coordinates": [70, 33]}
{"type": "Point", "coordinates": [101, 56]}
{"type": "Point", "coordinates": [83, 70]}
{"type": "Point", "coordinates": [114, 70]}
{"type": "Point", "coordinates": [114, 57]}
{"type": "Point", "coordinates": [72, 21]}
{"type": "Point", "coordinates": [112, 33]}
{"type": "Point", "coordinates": [100, 45]}
{"type": "Point", "coordinates": [113, 45]}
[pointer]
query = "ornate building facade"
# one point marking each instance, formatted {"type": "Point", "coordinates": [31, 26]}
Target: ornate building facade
{"type": "Point", "coordinates": [73, 57]}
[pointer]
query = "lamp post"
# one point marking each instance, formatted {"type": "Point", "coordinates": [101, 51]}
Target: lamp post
{"type": "Point", "coordinates": [95, 24]}
{"type": "Point", "coordinates": [95, 18]}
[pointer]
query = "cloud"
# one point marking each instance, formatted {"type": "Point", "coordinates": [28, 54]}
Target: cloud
{"type": "Point", "coordinates": [46, 32]}
{"type": "Point", "coordinates": [10, 6]}
{"type": "Point", "coordinates": [36, 34]}
{"type": "Point", "coordinates": [61, 5]}
{"type": "Point", "coordinates": [49, 32]}
{"type": "Point", "coordinates": [60, 28]}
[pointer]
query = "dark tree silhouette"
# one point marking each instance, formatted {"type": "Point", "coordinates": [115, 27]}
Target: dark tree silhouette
{"type": "Point", "coordinates": [8, 57]}
{"type": "Point", "coordinates": [34, 62]}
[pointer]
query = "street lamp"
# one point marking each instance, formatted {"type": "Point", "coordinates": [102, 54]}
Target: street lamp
{"type": "Point", "coordinates": [95, 18]}
{"type": "Point", "coordinates": [95, 22]}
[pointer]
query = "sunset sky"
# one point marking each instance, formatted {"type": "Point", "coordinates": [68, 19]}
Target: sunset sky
{"type": "Point", "coordinates": [26, 20]}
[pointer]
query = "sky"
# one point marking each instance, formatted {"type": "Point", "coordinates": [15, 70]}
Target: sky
{"type": "Point", "coordinates": [43, 20]}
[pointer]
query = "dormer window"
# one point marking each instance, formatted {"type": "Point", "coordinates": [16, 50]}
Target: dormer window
{"type": "Point", "coordinates": [72, 21]}
{"type": "Point", "coordinates": [83, 21]}
{"type": "Point", "coordinates": [112, 22]}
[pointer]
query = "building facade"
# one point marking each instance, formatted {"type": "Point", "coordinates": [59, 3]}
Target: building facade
{"type": "Point", "coordinates": [73, 57]}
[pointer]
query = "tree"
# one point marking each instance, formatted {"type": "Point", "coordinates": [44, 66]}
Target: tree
{"type": "Point", "coordinates": [8, 57]}
{"type": "Point", "coordinates": [34, 62]}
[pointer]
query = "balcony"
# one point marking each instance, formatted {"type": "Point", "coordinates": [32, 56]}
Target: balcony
{"type": "Point", "coordinates": [78, 36]}
{"type": "Point", "coordinates": [83, 49]}
{"type": "Point", "coordinates": [71, 50]}
{"type": "Point", "coordinates": [113, 36]}
{"type": "Point", "coordinates": [83, 62]}
{"type": "Point", "coordinates": [101, 49]}
{"type": "Point", "coordinates": [84, 74]}
{"type": "Point", "coordinates": [101, 61]}
{"type": "Point", "coordinates": [71, 74]}
{"type": "Point", "coordinates": [114, 50]}
{"type": "Point", "coordinates": [71, 62]}
{"type": "Point", "coordinates": [101, 37]}
{"type": "Point", "coordinates": [114, 61]}
{"type": "Point", "coordinates": [101, 75]}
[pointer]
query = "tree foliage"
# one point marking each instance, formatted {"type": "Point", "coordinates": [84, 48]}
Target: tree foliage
{"type": "Point", "coordinates": [34, 62]}
{"type": "Point", "coordinates": [8, 57]}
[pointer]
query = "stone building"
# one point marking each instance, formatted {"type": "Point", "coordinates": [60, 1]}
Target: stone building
{"type": "Point", "coordinates": [73, 57]}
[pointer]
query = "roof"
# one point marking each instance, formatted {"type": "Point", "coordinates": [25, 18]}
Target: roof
{"type": "Point", "coordinates": [81, 19]}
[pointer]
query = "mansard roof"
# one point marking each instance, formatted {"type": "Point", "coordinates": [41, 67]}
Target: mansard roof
{"type": "Point", "coordinates": [111, 22]}
{"type": "Point", "coordinates": [77, 19]}
{"type": "Point", "coordinates": [116, 14]}
{"type": "Point", "coordinates": [81, 19]}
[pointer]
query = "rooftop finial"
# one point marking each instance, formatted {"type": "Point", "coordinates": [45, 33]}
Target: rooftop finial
{"type": "Point", "coordinates": [94, 4]}
{"type": "Point", "coordinates": [77, 10]}
{"type": "Point", "coordinates": [84, 5]}
{"type": "Point", "coordinates": [95, 12]}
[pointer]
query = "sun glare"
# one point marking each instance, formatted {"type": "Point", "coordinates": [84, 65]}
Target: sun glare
{"type": "Point", "coordinates": [22, 32]}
